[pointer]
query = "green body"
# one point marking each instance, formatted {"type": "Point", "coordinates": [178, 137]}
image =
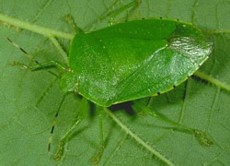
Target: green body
{"type": "Point", "coordinates": [133, 60]}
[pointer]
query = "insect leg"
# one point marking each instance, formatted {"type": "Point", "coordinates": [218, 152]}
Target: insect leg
{"type": "Point", "coordinates": [54, 123]}
{"type": "Point", "coordinates": [65, 138]}
{"type": "Point", "coordinates": [111, 13]}
{"type": "Point", "coordinates": [129, 8]}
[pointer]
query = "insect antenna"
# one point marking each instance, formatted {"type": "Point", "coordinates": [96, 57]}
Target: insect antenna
{"type": "Point", "coordinates": [37, 68]}
{"type": "Point", "coordinates": [39, 65]}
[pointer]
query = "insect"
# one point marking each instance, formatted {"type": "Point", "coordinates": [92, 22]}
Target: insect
{"type": "Point", "coordinates": [121, 85]}
{"type": "Point", "coordinates": [133, 60]}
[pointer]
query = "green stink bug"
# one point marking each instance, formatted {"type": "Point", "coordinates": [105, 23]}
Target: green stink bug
{"type": "Point", "coordinates": [133, 60]}
{"type": "Point", "coordinates": [150, 135]}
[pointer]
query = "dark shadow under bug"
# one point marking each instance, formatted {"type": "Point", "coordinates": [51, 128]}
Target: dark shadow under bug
{"type": "Point", "coordinates": [126, 107]}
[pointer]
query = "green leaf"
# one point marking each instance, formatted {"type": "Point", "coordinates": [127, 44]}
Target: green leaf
{"type": "Point", "coordinates": [189, 125]}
